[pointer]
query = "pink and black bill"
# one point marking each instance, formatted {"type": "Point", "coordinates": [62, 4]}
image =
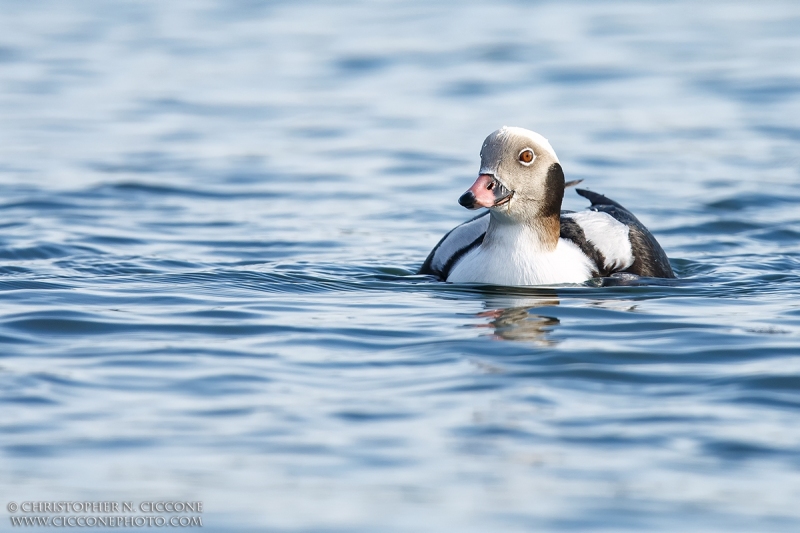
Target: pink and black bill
{"type": "Point", "coordinates": [487, 191]}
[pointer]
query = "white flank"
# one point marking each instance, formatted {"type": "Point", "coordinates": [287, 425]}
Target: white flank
{"type": "Point", "coordinates": [608, 235]}
{"type": "Point", "coordinates": [460, 237]}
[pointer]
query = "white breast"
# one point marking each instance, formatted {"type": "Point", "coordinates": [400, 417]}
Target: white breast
{"type": "Point", "coordinates": [511, 255]}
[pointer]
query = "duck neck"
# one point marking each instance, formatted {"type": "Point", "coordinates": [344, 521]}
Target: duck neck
{"type": "Point", "coordinates": [540, 233]}
{"type": "Point", "coordinates": [536, 219]}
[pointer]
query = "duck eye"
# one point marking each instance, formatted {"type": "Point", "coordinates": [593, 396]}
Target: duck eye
{"type": "Point", "coordinates": [526, 156]}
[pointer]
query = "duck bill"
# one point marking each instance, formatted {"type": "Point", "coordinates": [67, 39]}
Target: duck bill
{"type": "Point", "coordinates": [487, 191]}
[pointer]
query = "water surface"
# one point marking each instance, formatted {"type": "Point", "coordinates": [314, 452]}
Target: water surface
{"type": "Point", "coordinates": [211, 217]}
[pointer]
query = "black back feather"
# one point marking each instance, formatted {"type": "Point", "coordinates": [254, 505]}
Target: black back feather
{"type": "Point", "coordinates": [649, 258]}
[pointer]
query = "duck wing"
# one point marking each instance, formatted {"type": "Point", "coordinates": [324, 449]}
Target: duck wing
{"type": "Point", "coordinates": [639, 253]}
{"type": "Point", "coordinates": [454, 246]}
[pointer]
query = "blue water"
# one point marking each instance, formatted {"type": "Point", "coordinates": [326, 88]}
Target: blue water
{"type": "Point", "coordinates": [211, 217]}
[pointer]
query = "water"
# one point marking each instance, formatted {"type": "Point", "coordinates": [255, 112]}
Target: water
{"type": "Point", "coordinates": [212, 214]}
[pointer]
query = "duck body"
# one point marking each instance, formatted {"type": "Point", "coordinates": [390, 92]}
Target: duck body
{"type": "Point", "coordinates": [525, 239]}
{"type": "Point", "coordinates": [598, 242]}
{"type": "Point", "coordinates": [510, 257]}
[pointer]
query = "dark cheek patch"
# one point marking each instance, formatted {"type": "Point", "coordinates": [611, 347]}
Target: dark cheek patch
{"type": "Point", "coordinates": [554, 195]}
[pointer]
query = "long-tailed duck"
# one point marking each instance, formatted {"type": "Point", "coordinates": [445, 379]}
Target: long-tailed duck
{"type": "Point", "coordinates": [525, 238]}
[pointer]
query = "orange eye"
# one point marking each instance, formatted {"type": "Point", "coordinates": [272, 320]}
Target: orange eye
{"type": "Point", "coordinates": [526, 156]}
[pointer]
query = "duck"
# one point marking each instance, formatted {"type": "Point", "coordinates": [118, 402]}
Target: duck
{"type": "Point", "coordinates": [523, 237]}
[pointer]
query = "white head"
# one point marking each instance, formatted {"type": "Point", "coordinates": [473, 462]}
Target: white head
{"type": "Point", "coordinates": [520, 179]}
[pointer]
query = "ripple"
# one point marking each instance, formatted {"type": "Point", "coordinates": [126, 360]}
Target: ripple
{"type": "Point", "coordinates": [742, 202]}
{"type": "Point", "coordinates": [42, 251]}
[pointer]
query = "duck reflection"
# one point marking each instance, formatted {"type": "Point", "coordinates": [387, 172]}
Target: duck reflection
{"type": "Point", "coordinates": [521, 318]}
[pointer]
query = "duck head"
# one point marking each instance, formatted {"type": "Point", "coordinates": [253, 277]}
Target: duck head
{"type": "Point", "coordinates": [520, 178]}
